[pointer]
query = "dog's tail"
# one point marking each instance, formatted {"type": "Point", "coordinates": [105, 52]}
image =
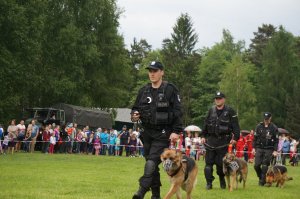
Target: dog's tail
{"type": "Point", "coordinates": [288, 178]}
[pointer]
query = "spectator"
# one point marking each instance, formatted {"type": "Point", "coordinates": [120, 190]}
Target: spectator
{"type": "Point", "coordinates": [52, 143]}
{"type": "Point", "coordinates": [12, 134]}
{"type": "Point", "coordinates": [249, 143]}
{"type": "Point", "coordinates": [117, 148]}
{"type": "Point", "coordinates": [124, 139]}
{"type": "Point", "coordinates": [85, 135]}
{"type": "Point", "coordinates": [196, 141]}
{"type": "Point", "coordinates": [132, 145]}
{"type": "Point", "coordinates": [78, 140]}
{"type": "Point", "coordinates": [90, 143]}
{"type": "Point", "coordinates": [27, 140]}
{"type": "Point", "coordinates": [1, 134]}
{"type": "Point", "coordinates": [240, 145]}
{"type": "Point", "coordinates": [34, 134]}
{"type": "Point", "coordinates": [46, 139]}
{"type": "Point", "coordinates": [188, 143]}
{"type": "Point", "coordinates": [285, 148]}
{"type": "Point", "coordinates": [112, 142]}
{"type": "Point", "coordinates": [104, 141]}
{"type": "Point", "coordinates": [293, 151]}
{"type": "Point", "coordinates": [21, 135]}
{"type": "Point", "coordinates": [97, 145]}
{"type": "Point", "coordinates": [5, 144]}
{"type": "Point", "coordinates": [57, 138]}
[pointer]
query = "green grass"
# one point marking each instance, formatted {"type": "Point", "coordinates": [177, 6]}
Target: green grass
{"type": "Point", "coordinates": [63, 176]}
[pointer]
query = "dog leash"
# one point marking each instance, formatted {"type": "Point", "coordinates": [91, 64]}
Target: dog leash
{"type": "Point", "coordinates": [209, 147]}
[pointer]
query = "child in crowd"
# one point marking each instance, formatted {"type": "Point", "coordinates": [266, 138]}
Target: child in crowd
{"type": "Point", "coordinates": [132, 144]}
{"type": "Point", "coordinates": [5, 144]}
{"type": "Point", "coordinates": [90, 144]}
{"type": "Point", "coordinates": [196, 141]}
{"type": "Point", "coordinates": [188, 143]}
{"type": "Point", "coordinates": [52, 143]}
{"type": "Point", "coordinates": [78, 140]}
{"type": "Point", "coordinates": [97, 144]}
{"type": "Point", "coordinates": [27, 140]}
{"type": "Point", "coordinates": [117, 149]}
{"type": "Point", "coordinates": [11, 143]}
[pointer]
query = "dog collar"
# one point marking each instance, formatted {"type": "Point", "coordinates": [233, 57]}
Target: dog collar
{"type": "Point", "coordinates": [176, 171]}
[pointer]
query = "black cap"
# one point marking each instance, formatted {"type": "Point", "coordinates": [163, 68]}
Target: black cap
{"type": "Point", "coordinates": [155, 65]}
{"type": "Point", "coordinates": [219, 95]}
{"type": "Point", "coordinates": [267, 115]}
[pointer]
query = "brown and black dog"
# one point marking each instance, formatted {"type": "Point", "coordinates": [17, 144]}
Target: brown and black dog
{"type": "Point", "coordinates": [278, 174]}
{"type": "Point", "coordinates": [182, 171]}
{"type": "Point", "coordinates": [232, 168]}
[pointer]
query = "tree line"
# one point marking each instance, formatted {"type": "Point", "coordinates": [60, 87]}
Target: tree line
{"type": "Point", "coordinates": [71, 51]}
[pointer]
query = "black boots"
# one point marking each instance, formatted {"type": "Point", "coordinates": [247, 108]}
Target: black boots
{"type": "Point", "coordinates": [140, 193]}
{"type": "Point", "coordinates": [155, 193]}
{"type": "Point", "coordinates": [222, 183]}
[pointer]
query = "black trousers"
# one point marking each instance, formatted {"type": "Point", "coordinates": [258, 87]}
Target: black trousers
{"type": "Point", "coordinates": [155, 141]}
{"type": "Point", "coordinates": [263, 159]}
{"type": "Point", "coordinates": [214, 157]}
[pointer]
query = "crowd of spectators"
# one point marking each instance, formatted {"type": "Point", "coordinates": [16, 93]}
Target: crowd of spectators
{"type": "Point", "coordinates": [53, 138]}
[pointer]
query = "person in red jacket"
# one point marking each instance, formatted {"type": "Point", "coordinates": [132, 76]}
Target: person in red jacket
{"type": "Point", "coordinates": [249, 142]}
{"type": "Point", "coordinates": [240, 145]}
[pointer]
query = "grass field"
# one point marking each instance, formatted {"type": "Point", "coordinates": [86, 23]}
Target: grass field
{"type": "Point", "coordinates": [63, 176]}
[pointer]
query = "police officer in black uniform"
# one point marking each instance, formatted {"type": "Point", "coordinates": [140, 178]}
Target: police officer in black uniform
{"type": "Point", "coordinates": [221, 127]}
{"type": "Point", "coordinates": [158, 108]}
{"type": "Point", "coordinates": [264, 146]}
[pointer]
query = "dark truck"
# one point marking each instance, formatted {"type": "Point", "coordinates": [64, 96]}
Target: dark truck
{"type": "Point", "coordinates": [62, 114]}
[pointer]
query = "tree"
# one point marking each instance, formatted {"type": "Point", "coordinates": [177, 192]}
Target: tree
{"type": "Point", "coordinates": [210, 72]}
{"type": "Point", "coordinates": [280, 72]}
{"type": "Point", "coordinates": [181, 60]}
{"type": "Point", "coordinates": [241, 92]}
{"type": "Point", "coordinates": [259, 42]}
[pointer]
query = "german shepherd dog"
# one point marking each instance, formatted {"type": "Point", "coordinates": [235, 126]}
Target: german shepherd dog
{"type": "Point", "coordinates": [182, 171]}
{"type": "Point", "coordinates": [232, 168]}
{"type": "Point", "coordinates": [278, 174]}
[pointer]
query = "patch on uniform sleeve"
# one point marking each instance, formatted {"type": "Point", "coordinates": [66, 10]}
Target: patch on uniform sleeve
{"type": "Point", "coordinates": [178, 97]}
{"type": "Point", "coordinates": [234, 116]}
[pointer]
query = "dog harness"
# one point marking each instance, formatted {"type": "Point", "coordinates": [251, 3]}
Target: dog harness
{"type": "Point", "coordinates": [190, 164]}
{"type": "Point", "coordinates": [234, 165]}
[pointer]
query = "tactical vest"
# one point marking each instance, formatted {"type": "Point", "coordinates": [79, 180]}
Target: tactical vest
{"type": "Point", "coordinates": [219, 125]}
{"type": "Point", "coordinates": [155, 110]}
{"type": "Point", "coordinates": [265, 136]}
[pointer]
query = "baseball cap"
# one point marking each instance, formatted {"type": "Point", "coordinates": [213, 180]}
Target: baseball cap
{"type": "Point", "coordinates": [124, 126]}
{"type": "Point", "coordinates": [267, 115]}
{"type": "Point", "coordinates": [219, 95]}
{"type": "Point", "coordinates": [156, 65]}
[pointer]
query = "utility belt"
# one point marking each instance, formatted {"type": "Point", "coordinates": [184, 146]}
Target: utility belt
{"type": "Point", "coordinates": [154, 127]}
{"type": "Point", "coordinates": [220, 136]}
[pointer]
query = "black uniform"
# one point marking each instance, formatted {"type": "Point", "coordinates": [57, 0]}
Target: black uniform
{"type": "Point", "coordinates": [160, 114]}
{"type": "Point", "coordinates": [218, 129]}
{"type": "Point", "coordinates": [265, 143]}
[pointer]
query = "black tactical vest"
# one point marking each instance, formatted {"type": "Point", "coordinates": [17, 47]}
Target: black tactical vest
{"type": "Point", "coordinates": [219, 125]}
{"type": "Point", "coordinates": [155, 106]}
{"type": "Point", "coordinates": [266, 136]}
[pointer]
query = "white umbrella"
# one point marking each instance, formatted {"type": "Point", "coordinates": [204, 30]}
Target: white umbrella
{"type": "Point", "coordinates": [192, 128]}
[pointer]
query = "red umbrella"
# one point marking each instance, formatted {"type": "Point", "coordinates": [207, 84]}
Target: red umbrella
{"type": "Point", "coordinates": [283, 131]}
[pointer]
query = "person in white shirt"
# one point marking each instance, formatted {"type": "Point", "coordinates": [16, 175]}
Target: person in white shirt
{"type": "Point", "coordinates": [21, 134]}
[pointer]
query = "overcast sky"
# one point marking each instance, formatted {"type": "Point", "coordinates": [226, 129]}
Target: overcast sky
{"type": "Point", "coordinates": [153, 20]}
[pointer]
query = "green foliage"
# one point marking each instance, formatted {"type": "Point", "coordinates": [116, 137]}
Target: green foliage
{"type": "Point", "coordinates": [181, 61]}
{"type": "Point", "coordinates": [240, 91]}
{"type": "Point", "coordinates": [61, 51]}
{"type": "Point", "coordinates": [280, 72]}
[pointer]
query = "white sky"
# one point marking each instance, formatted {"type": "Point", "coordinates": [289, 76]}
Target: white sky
{"type": "Point", "coordinates": [153, 20]}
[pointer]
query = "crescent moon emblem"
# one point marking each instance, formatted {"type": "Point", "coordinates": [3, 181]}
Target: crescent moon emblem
{"type": "Point", "coordinates": [149, 100]}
